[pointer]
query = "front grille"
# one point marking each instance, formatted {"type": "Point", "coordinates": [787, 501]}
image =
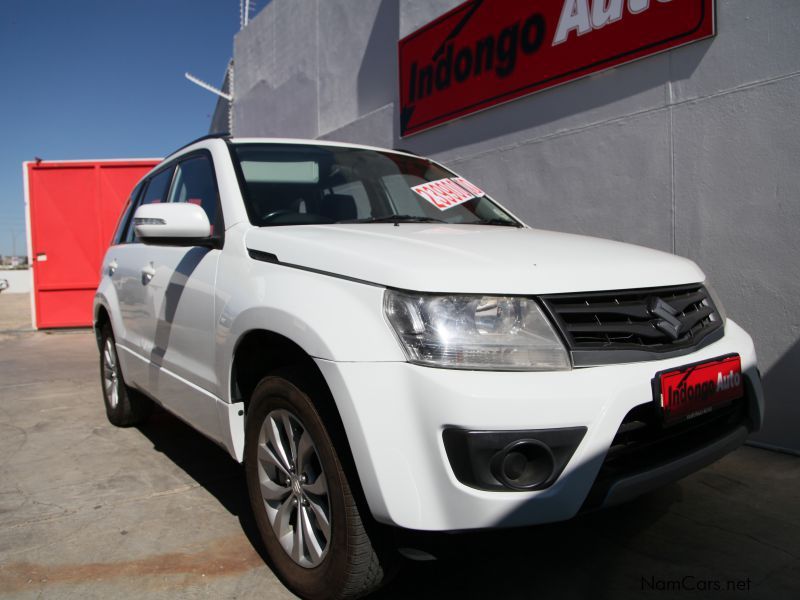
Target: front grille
{"type": "Point", "coordinates": [633, 325]}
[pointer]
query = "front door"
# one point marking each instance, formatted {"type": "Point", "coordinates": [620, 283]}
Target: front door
{"type": "Point", "coordinates": [178, 340]}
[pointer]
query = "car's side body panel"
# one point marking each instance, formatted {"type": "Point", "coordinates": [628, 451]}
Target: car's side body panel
{"type": "Point", "coordinates": [328, 317]}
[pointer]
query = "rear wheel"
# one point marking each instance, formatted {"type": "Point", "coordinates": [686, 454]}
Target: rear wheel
{"type": "Point", "coordinates": [301, 498]}
{"type": "Point", "coordinates": [124, 406]}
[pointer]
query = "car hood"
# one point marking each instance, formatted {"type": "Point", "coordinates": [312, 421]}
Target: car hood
{"type": "Point", "coordinates": [471, 258]}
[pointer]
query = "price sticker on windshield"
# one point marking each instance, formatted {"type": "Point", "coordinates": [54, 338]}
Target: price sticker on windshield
{"type": "Point", "coordinates": [447, 193]}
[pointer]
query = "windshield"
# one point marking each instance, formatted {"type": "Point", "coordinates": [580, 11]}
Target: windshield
{"type": "Point", "coordinates": [291, 184]}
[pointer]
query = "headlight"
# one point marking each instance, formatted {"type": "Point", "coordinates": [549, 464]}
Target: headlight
{"type": "Point", "coordinates": [474, 332]}
{"type": "Point", "coordinates": [712, 293]}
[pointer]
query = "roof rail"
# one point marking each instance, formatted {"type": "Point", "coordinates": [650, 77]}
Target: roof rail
{"type": "Point", "coordinates": [211, 136]}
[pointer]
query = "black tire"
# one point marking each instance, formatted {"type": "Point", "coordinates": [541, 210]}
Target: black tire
{"type": "Point", "coordinates": [350, 566]}
{"type": "Point", "coordinates": [125, 407]}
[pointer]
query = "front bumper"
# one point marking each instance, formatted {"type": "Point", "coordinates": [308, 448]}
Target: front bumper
{"type": "Point", "coordinates": [394, 415]}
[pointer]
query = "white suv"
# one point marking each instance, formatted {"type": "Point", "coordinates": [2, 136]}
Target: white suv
{"type": "Point", "coordinates": [382, 344]}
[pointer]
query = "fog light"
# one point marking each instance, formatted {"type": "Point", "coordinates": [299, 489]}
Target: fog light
{"type": "Point", "coordinates": [523, 464]}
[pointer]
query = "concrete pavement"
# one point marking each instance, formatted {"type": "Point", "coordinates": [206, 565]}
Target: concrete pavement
{"type": "Point", "coordinates": [15, 311]}
{"type": "Point", "coordinates": [91, 511]}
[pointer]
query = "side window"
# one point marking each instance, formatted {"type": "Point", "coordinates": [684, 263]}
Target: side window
{"type": "Point", "coordinates": [156, 191]}
{"type": "Point", "coordinates": [195, 183]}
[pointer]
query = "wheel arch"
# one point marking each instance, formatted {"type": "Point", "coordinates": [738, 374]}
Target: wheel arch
{"type": "Point", "coordinates": [260, 352]}
{"type": "Point", "coordinates": [101, 318]}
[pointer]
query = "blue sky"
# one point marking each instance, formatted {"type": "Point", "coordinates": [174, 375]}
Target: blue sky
{"type": "Point", "coordinates": [84, 79]}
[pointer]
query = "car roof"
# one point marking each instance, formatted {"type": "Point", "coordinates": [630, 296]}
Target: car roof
{"type": "Point", "coordinates": [199, 143]}
{"type": "Point", "coordinates": [264, 140]}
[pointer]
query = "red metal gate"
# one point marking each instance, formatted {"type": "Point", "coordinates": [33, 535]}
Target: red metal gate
{"type": "Point", "coordinates": [72, 210]}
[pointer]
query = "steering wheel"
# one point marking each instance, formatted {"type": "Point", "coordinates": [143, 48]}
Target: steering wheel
{"type": "Point", "coordinates": [275, 213]}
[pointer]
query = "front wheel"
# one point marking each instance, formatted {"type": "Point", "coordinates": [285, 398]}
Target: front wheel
{"type": "Point", "coordinates": [301, 498]}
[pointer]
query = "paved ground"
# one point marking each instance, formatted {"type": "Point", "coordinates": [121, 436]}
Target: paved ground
{"type": "Point", "coordinates": [15, 311]}
{"type": "Point", "coordinates": [91, 511]}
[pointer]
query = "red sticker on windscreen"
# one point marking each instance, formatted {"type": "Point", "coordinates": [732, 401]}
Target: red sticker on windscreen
{"type": "Point", "coordinates": [447, 193]}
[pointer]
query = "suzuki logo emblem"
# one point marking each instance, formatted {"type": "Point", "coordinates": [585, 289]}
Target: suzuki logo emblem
{"type": "Point", "coordinates": [666, 313]}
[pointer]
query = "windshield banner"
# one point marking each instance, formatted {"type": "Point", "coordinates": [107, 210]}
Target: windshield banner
{"type": "Point", "coordinates": [447, 193]}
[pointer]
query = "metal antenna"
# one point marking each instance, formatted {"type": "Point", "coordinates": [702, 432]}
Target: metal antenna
{"type": "Point", "coordinates": [246, 10]}
{"type": "Point", "coordinates": [209, 87]}
{"type": "Point", "coordinates": [231, 90]}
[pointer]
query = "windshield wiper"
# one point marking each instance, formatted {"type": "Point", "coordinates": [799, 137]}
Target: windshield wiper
{"type": "Point", "coordinates": [502, 222]}
{"type": "Point", "coordinates": [396, 219]}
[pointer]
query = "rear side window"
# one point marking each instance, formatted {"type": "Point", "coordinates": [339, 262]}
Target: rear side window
{"type": "Point", "coordinates": [157, 189]}
{"type": "Point", "coordinates": [194, 183]}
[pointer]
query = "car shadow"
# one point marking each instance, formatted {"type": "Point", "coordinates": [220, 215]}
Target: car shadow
{"type": "Point", "coordinates": [584, 557]}
{"type": "Point", "coordinates": [590, 556]}
{"type": "Point", "coordinates": [208, 464]}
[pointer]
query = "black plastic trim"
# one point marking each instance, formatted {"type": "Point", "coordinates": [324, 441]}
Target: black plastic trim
{"type": "Point", "coordinates": [628, 488]}
{"type": "Point", "coordinates": [470, 453]}
{"type": "Point", "coordinates": [652, 446]}
{"type": "Point", "coordinates": [263, 256]}
{"type": "Point", "coordinates": [213, 242]}
{"type": "Point", "coordinates": [268, 257]}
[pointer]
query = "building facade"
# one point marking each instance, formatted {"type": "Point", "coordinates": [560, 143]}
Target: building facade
{"type": "Point", "coordinates": [693, 151]}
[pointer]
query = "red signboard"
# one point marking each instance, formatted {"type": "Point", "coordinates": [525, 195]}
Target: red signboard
{"type": "Point", "coordinates": [485, 52]}
{"type": "Point", "coordinates": [73, 208]}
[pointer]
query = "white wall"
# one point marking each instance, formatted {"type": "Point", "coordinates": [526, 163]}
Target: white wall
{"type": "Point", "coordinates": [19, 281]}
{"type": "Point", "coordinates": [694, 151]}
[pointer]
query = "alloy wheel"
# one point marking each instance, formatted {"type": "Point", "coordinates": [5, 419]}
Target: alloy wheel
{"type": "Point", "coordinates": [294, 488]}
{"type": "Point", "coordinates": [110, 374]}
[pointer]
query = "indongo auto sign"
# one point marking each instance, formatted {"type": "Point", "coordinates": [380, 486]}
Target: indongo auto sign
{"type": "Point", "coordinates": [485, 52]}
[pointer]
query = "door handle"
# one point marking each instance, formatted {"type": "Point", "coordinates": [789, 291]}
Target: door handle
{"type": "Point", "coordinates": [148, 272]}
{"type": "Point", "coordinates": [112, 266]}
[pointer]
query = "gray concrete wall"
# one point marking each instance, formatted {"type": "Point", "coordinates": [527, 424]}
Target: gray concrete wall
{"type": "Point", "coordinates": [694, 151]}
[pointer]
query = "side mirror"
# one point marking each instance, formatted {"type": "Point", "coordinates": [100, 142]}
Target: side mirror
{"type": "Point", "coordinates": [173, 224]}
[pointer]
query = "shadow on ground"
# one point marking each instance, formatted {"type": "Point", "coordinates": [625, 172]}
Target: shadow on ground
{"type": "Point", "coordinates": [572, 559]}
{"type": "Point", "coordinates": [206, 463]}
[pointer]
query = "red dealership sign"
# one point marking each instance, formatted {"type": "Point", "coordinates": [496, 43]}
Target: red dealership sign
{"type": "Point", "coordinates": [485, 52]}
